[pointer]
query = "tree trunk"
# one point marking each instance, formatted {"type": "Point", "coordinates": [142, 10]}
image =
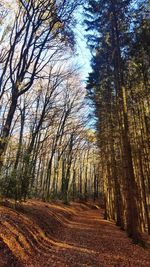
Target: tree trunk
{"type": "Point", "coordinates": [6, 129]}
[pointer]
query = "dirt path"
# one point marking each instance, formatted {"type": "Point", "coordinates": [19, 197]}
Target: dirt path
{"type": "Point", "coordinates": [89, 240]}
{"type": "Point", "coordinates": [72, 237]}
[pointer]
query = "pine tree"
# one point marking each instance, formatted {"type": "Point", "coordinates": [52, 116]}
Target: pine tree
{"type": "Point", "coordinates": [111, 29]}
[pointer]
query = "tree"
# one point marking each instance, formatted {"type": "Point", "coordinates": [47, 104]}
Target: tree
{"type": "Point", "coordinates": [37, 31]}
{"type": "Point", "coordinates": [108, 87]}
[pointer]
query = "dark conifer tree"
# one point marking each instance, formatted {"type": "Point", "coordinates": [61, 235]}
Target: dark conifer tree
{"type": "Point", "coordinates": [111, 27]}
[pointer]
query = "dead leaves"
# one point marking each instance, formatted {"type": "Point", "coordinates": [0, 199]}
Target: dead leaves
{"type": "Point", "coordinates": [66, 237]}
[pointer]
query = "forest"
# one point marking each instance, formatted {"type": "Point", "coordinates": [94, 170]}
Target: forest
{"type": "Point", "coordinates": [74, 142]}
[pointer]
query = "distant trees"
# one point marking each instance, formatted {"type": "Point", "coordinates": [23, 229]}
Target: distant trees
{"type": "Point", "coordinates": [38, 32]}
{"type": "Point", "coordinates": [118, 88]}
{"type": "Point", "coordinates": [45, 156]}
{"type": "Point", "coordinates": [43, 141]}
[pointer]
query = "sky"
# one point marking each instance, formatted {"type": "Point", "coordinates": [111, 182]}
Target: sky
{"type": "Point", "coordinates": [83, 53]}
{"type": "Point", "coordinates": [83, 59]}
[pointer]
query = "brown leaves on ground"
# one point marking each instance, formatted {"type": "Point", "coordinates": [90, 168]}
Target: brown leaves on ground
{"type": "Point", "coordinates": [51, 235]}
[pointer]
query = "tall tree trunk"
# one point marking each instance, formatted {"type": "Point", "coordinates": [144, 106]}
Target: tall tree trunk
{"type": "Point", "coordinates": [131, 187]}
{"type": "Point", "coordinates": [6, 129]}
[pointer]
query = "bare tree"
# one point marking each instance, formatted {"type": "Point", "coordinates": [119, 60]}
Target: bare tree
{"type": "Point", "coordinates": [38, 29]}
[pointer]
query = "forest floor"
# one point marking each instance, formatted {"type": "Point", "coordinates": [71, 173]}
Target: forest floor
{"type": "Point", "coordinates": [46, 235]}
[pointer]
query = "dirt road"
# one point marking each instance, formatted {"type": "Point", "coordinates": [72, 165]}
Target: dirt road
{"type": "Point", "coordinates": [47, 235]}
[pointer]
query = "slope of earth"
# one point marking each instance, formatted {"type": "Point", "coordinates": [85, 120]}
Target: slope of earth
{"type": "Point", "coordinates": [47, 235]}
